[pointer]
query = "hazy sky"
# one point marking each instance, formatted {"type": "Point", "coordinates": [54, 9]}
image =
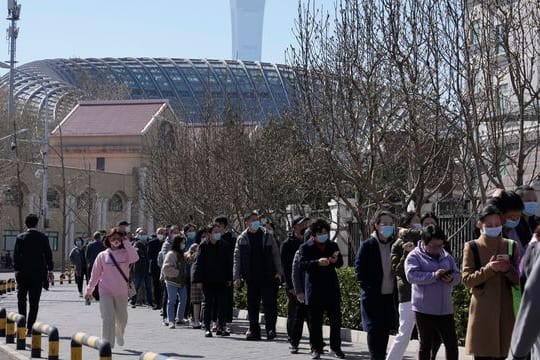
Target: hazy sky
{"type": "Point", "coordinates": [132, 28]}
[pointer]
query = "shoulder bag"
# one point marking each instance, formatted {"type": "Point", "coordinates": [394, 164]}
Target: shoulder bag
{"type": "Point", "coordinates": [131, 289]}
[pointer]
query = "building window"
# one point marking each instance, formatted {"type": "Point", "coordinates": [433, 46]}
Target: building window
{"type": "Point", "coordinates": [53, 239]}
{"type": "Point", "coordinates": [100, 163]}
{"type": "Point", "coordinates": [499, 37]}
{"type": "Point", "coordinates": [116, 204]}
{"type": "Point", "coordinates": [12, 196]}
{"type": "Point", "coordinates": [9, 239]}
{"type": "Point", "coordinates": [85, 201]}
{"type": "Point", "coordinates": [53, 199]}
{"type": "Point", "coordinates": [474, 33]}
{"type": "Point", "coordinates": [503, 98]}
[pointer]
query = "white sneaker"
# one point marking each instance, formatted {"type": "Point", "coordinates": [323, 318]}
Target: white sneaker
{"type": "Point", "coordinates": [172, 326]}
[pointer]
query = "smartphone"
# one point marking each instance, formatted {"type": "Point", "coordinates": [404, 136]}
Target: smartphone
{"type": "Point", "coordinates": [335, 254]}
{"type": "Point", "coordinates": [448, 272]}
{"type": "Point", "coordinates": [502, 257]}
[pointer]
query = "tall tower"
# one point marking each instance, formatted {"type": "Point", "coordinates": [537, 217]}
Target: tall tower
{"type": "Point", "coordinates": [247, 24]}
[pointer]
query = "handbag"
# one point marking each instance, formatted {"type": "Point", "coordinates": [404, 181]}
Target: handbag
{"type": "Point", "coordinates": [131, 289]}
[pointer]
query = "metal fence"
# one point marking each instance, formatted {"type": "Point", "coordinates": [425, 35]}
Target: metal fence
{"type": "Point", "coordinates": [459, 230]}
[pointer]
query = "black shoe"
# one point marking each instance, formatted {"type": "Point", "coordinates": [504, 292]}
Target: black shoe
{"type": "Point", "coordinates": [271, 335]}
{"type": "Point", "coordinates": [338, 353]}
{"type": "Point", "coordinates": [252, 336]}
{"type": "Point", "coordinates": [133, 306]}
{"type": "Point", "coordinates": [221, 332]}
{"type": "Point", "coordinates": [28, 332]}
{"type": "Point", "coordinates": [315, 354]}
{"type": "Point", "coordinates": [207, 333]}
{"type": "Point", "coordinates": [293, 349]}
{"type": "Point", "coordinates": [156, 307]}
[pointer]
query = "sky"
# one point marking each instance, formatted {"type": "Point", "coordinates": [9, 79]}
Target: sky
{"type": "Point", "coordinates": [136, 28]}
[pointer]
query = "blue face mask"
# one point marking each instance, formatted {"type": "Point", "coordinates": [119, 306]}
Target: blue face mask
{"type": "Point", "coordinates": [216, 236]}
{"type": "Point", "coordinates": [321, 238]}
{"type": "Point", "coordinates": [143, 237]}
{"type": "Point", "coordinates": [387, 230]}
{"type": "Point", "coordinates": [492, 232]}
{"type": "Point", "coordinates": [191, 235]}
{"type": "Point", "coordinates": [255, 225]}
{"type": "Point", "coordinates": [530, 208]}
{"type": "Point", "coordinates": [511, 224]}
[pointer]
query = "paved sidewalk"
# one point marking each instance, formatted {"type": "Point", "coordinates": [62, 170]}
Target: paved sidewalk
{"type": "Point", "coordinates": [62, 307]}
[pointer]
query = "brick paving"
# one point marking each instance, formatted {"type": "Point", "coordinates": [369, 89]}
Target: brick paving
{"type": "Point", "coordinates": [62, 307]}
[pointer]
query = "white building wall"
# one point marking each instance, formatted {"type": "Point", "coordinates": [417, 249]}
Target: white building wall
{"type": "Point", "coordinates": [247, 25]}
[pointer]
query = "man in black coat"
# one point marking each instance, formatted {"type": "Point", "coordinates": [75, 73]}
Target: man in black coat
{"type": "Point", "coordinates": [228, 238]}
{"type": "Point", "coordinates": [93, 248]}
{"type": "Point", "coordinates": [288, 249]}
{"type": "Point", "coordinates": [33, 264]}
{"type": "Point", "coordinates": [154, 247]}
{"type": "Point", "coordinates": [319, 258]}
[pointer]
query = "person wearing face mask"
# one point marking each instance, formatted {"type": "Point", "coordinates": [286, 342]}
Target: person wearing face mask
{"type": "Point", "coordinates": [257, 262]}
{"type": "Point", "coordinates": [174, 272]}
{"type": "Point", "coordinates": [110, 271]}
{"type": "Point", "coordinates": [141, 269]}
{"type": "Point", "coordinates": [401, 248]}
{"type": "Point", "coordinates": [511, 207]}
{"type": "Point", "coordinates": [77, 258]}
{"type": "Point", "coordinates": [319, 257]}
{"type": "Point", "coordinates": [490, 272]}
{"type": "Point", "coordinates": [154, 247]}
{"type": "Point", "coordinates": [373, 267]}
{"type": "Point", "coordinates": [165, 247]}
{"type": "Point", "coordinates": [212, 272]}
{"type": "Point", "coordinates": [228, 238]}
{"type": "Point", "coordinates": [189, 235]}
{"type": "Point", "coordinates": [433, 273]}
{"type": "Point", "coordinates": [529, 219]}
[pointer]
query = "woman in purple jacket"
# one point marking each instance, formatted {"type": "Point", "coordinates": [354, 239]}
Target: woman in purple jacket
{"type": "Point", "coordinates": [433, 272]}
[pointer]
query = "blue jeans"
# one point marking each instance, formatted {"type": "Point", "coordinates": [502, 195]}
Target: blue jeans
{"type": "Point", "coordinates": [137, 280]}
{"type": "Point", "coordinates": [173, 293]}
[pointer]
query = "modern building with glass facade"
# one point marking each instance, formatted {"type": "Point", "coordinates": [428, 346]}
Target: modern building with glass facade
{"type": "Point", "coordinates": [195, 88]}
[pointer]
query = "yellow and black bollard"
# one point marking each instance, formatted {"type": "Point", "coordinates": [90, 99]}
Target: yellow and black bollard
{"type": "Point", "coordinates": [3, 287]}
{"type": "Point", "coordinates": [52, 333]}
{"type": "Point", "coordinates": [154, 356]}
{"type": "Point", "coordinates": [2, 322]}
{"type": "Point", "coordinates": [62, 277]}
{"type": "Point", "coordinates": [12, 319]}
{"type": "Point", "coordinates": [80, 339]}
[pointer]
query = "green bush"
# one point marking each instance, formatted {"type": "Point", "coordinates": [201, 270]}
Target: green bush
{"type": "Point", "coordinates": [350, 302]}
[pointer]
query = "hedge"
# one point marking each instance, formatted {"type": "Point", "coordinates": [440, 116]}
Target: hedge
{"type": "Point", "coordinates": [350, 302]}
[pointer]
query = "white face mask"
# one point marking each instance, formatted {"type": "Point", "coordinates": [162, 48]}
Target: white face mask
{"type": "Point", "coordinates": [160, 236]}
{"type": "Point", "coordinates": [182, 246]}
{"type": "Point", "coordinates": [115, 244]}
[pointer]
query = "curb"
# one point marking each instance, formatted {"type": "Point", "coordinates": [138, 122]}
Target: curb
{"type": "Point", "coordinates": [12, 353]}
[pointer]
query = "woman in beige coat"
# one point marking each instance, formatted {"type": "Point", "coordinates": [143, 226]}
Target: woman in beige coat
{"type": "Point", "coordinates": [491, 316]}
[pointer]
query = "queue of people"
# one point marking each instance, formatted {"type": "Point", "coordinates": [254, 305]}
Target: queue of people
{"type": "Point", "coordinates": [405, 269]}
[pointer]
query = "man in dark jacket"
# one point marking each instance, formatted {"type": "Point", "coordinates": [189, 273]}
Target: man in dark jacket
{"type": "Point", "coordinates": [228, 238]}
{"type": "Point", "coordinates": [33, 264]}
{"type": "Point", "coordinates": [141, 269]}
{"type": "Point", "coordinates": [93, 248]}
{"type": "Point", "coordinates": [319, 258]}
{"type": "Point", "coordinates": [288, 249]}
{"type": "Point", "coordinates": [154, 247]}
{"type": "Point", "coordinates": [212, 270]}
{"type": "Point", "coordinates": [257, 261]}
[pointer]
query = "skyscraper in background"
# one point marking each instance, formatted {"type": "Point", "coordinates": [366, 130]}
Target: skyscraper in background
{"type": "Point", "coordinates": [247, 24]}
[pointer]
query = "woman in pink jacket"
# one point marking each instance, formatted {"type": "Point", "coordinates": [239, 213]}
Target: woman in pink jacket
{"type": "Point", "coordinates": [110, 271]}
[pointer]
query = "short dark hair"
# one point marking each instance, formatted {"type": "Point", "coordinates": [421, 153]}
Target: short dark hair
{"type": "Point", "coordinates": [489, 210]}
{"type": "Point", "coordinates": [199, 234]}
{"type": "Point", "coordinates": [521, 190]}
{"type": "Point", "coordinates": [318, 226]}
{"type": "Point", "coordinates": [250, 214]}
{"type": "Point", "coordinates": [176, 241]}
{"type": "Point", "coordinates": [412, 235]}
{"type": "Point", "coordinates": [379, 214]}
{"type": "Point", "coordinates": [189, 225]}
{"type": "Point", "coordinates": [429, 215]}
{"type": "Point", "coordinates": [432, 232]}
{"type": "Point", "coordinates": [406, 218]}
{"type": "Point", "coordinates": [31, 220]}
{"type": "Point", "coordinates": [507, 201]}
{"type": "Point", "coordinates": [222, 220]}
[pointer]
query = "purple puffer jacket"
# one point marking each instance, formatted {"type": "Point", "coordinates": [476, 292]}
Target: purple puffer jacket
{"type": "Point", "coordinates": [430, 295]}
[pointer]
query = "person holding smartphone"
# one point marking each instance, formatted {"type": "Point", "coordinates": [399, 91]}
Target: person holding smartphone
{"type": "Point", "coordinates": [433, 273]}
{"type": "Point", "coordinates": [319, 257]}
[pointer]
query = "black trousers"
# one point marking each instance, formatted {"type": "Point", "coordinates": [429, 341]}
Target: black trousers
{"type": "Point", "coordinates": [79, 281]}
{"type": "Point", "coordinates": [297, 313]}
{"type": "Point", "coordinates": [95, 293]}
{"type": "Point", "coordinates": [32, 289]}
{"type": "Point", "coordinates": [214, 296]}
{"type": "Point", "coordinates": [156, 286]}
{"type": "Point", "coordinates": [229, 304]}
{"type": "Point", "coordinates": [441, 324]}
{"type": "Point", "coordinates": [316, 312]}
{"type": "Point", "coordinates": [379, 334]}
{"type": "Point", "coordinates": [267, 293]}
{"type": "Point", "coordinates": [164, 299]}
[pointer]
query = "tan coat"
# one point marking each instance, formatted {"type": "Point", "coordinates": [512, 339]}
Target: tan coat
{"type": "Point", "coordinates": [491, 316]}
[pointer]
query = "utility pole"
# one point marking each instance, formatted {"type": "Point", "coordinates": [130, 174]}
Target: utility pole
{"type": "Point", "coordinates": [14, 11]}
